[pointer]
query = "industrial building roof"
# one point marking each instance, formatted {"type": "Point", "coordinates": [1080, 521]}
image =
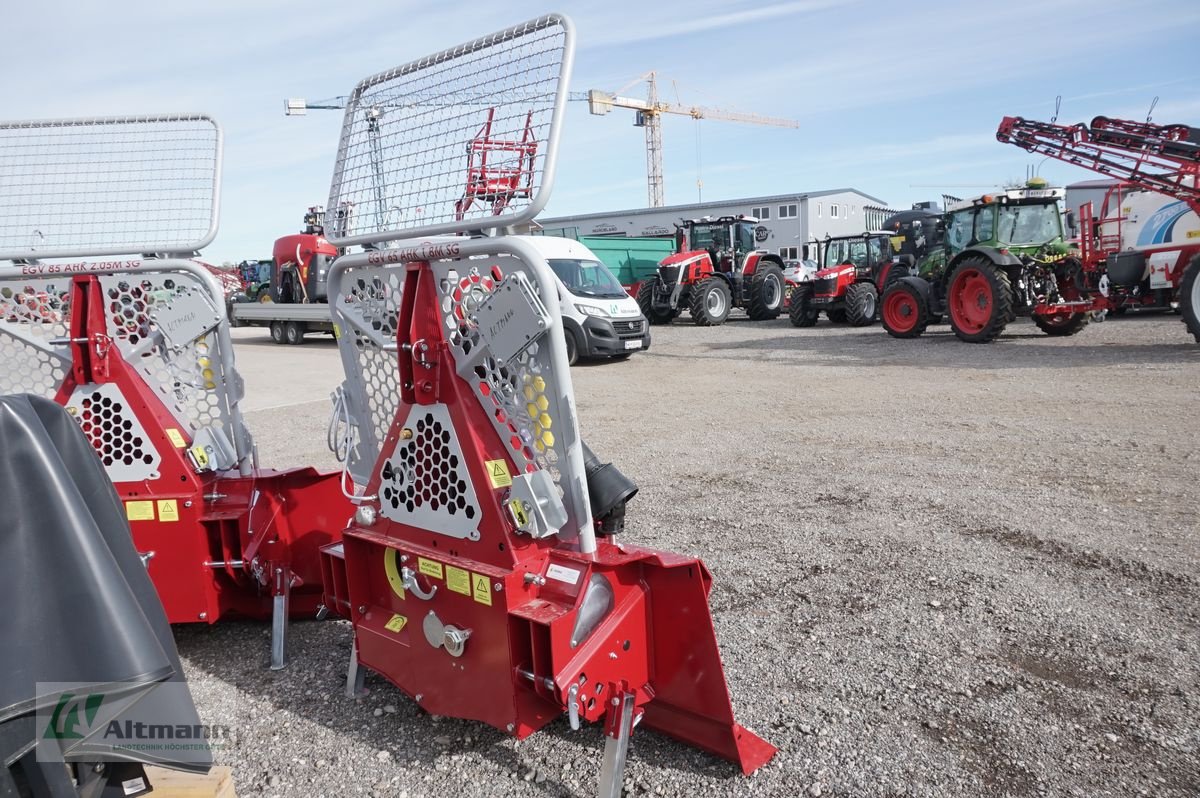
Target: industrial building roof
{"type": "Point", "coordinates": [696, 206]}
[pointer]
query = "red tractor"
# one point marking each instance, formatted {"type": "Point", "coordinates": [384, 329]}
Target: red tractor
{"type": "Point", "coordinates": [854, 271]}
{"type": "Point", "coordinates": [715, 269]}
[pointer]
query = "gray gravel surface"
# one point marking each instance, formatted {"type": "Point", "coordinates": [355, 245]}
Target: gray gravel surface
{"type": "Point", "coordinates": [941, 569]}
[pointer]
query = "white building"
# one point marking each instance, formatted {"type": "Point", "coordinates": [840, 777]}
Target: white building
{"type": "Point", "coordinates": [786, 221]}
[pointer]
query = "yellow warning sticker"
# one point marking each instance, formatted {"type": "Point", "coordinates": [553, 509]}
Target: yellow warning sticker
{"type": "Point", "coordinates": [498, 473]}
{"type": "Point", "coordinates": [139, 511]}
{"type": "Point", "coordinates": [458, 580]}
{"type": "Point", "coordinates": [397, 623]}
{"type": "Point", "coordinates": [176, 437]}
{"type": "Point", "coordinates": [168, 510]}
{"type": "Point", "coordinates": [393, 573]}
{"type": "Point", "coordinates": [1193, 233]}
{"type": "Point", "coordinates": [481, 590]}
{"type": "Point", "coordinates": [429, 567]}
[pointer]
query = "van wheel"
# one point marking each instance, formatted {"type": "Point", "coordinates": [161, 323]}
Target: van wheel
{"type": "Point", "coordinates": [572, 348]}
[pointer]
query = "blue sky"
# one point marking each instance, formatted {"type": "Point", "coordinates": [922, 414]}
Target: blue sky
{"type": "Point", "coordinates": [898, 100]}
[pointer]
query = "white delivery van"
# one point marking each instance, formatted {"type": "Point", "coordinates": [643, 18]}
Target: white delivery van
{"type": "Point", "coordinates": [600, 319]}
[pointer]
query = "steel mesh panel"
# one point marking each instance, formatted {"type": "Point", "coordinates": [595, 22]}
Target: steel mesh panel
{"type": "Point", "coordinates": [459, 140]}
{"type": "Point", "coordinates": [367, 310]}
{"type": "Point", "coordinates": [425, 482]}
{"type": "Point", "coordinates": [114, 432]}
{"type": "Point", "coordinates": [108, 186]}
{"type": "Point", "coordinates": [188, 379]}
{"type": "Point", "coordinates": [33, 313]}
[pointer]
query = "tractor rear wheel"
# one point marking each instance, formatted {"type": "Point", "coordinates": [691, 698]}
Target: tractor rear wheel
{"type": "Point", "coordinates": [1189, 297]}
{"type": "Point", "coordinates": [766, 293]}
{"type": "Point", "coordinates": [862, 300]}
{"type": "Point", "coordinates": [645, 300]}
{"type": "Point", "coordinates": [710, 302]}
{"type": "Point", "coordinates": [904, 312]}
{"type": "Point", "coordinates": [801, 310]}
{"type": "Point", "coordinates": [1061, 324]}
{"type": "Point", "coordinates": [979, 300]}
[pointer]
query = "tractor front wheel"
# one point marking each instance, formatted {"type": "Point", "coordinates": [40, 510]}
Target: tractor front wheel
{"type": "Point", "coordinates": [801, 310]}
{"type": "Point", "coordinates": [1061, 324]}
{"type": "Point", "coordinates": [710, 302]}
{"type": "Point", "coordinates": [905, 313]}
{"type": "Point", "coordinates": [766, 293]}
{"type": "Point", "coordinates": [645, 300]}
{"type": "Point", "coordinates": [1189, 297]}
{"type": "Point", "coordinates": [862, 300]}
{"type": "Point", "coordinates": [979, 300]}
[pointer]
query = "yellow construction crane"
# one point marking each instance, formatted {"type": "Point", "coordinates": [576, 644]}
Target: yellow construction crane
{"type": "Point", "coordinates": [649, 115]}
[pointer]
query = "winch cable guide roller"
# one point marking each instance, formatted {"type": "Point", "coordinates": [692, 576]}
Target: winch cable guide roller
{"type": "Point", "coordinates": [473, 570]}
{"type": "Point", "coordinates": [137, 348]}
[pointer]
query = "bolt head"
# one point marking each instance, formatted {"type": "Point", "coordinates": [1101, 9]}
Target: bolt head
{"type": "Point", "coordinates": [511, 728]}
{"type": "Point", "coordinates": [496, 586]}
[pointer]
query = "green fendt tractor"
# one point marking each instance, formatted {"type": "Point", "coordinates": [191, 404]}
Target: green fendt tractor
{"type": "Point", "coordinates": [1002, 256]}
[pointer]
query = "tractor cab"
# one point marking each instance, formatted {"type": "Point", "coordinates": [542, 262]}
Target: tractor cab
{"type": "Point", "coordinates": [1024, 221]}
{"type": "Point", "coordinates": [727, 240]}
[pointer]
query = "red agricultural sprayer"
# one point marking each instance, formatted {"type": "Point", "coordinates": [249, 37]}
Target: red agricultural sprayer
{"type": "Point", "coordinates": [474, 542]}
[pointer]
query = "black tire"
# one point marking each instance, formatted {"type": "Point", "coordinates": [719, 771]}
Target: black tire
{"type": "Point", "coordinates": [978, 300]}
{"type": "Point", "coordinates": [1063, 324]}
{"type": "Point", "coordinates": [801, 311]}
{"type": "Point", "coordinates": [904, 311]}
{"type": "Point", "coordinates": [277, 332]}
{"type": "Point", "coordinates": [645, 300]}
{"type": "Point", "coordinates": [710, 302]}
{"type": "Point", "coordinates": [293, 332]}
{"type": "Point", "coordinates": [572, 347]}
{"type": "Point", "coordinates": [862, 302]}
{"type": "Point", "coordinates": [837, 315]}
{"type": "Point", "coordinates": [766, 293]}
{"type": "Point", "coordinates": [1189, 297]}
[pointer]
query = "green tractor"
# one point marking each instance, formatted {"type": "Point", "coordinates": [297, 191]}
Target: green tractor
{"type": "Point", "coordinates": [1002, 256]}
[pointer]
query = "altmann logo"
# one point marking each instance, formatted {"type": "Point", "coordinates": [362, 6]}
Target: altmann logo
{"type": "Point", "coordinates": [65, 723]}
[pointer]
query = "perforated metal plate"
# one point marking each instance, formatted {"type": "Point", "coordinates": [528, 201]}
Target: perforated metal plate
{"type": "Point", "coordinates": [108, 186]}
{"type": "Point", "coordinates": [425, 482]}
{"type": "Point", "coordinates": [367, 311]}
{"type": "Point", "coordinates": [187, 376]}
{"type": "Point", "coordinates": [33, 313]}
{"type": "Point", "coordinates": [115, 433]}
{"type": "Point", "coordinates": [460, 140]}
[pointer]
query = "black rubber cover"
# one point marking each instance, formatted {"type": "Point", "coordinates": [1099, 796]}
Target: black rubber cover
{"type": "Point", "coordinates": [76, 603]}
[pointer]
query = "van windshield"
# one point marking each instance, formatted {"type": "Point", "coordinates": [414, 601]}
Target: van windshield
{"type": "Point", "coordinates": [587, 278]}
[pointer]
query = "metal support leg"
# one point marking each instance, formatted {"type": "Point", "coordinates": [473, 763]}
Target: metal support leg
{"type": "Point", "coordinates": [279, 619]}
{"type": "Point", "coordinates": [618, 730]}
{"type": "Point", "coordinates": [355, 674]}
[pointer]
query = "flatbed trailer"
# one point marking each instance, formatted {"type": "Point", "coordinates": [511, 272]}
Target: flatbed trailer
{"type": "Point", "coordinates": [289, 322]}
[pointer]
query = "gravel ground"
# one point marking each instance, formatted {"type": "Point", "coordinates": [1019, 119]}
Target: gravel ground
{"type": "Point", "coordinates": [941, 569]}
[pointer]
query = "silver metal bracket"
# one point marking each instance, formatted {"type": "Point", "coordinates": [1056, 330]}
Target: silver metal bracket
{"type": "Point", "coordinates": [512, 317]}
{"type": "Point", "coordinates": [409, 577]}
{"type": "Point", "coordinates": [538, 505]}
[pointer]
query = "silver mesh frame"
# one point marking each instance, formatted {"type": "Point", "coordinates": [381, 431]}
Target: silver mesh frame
{"type": "Point", "coordinates": [108, 186]}
{"type": "Point", "coordinates": [195, 378]}
{"type": "Point", "coordinates": [529, 400]}
{"type": "Point", "coordinates": [465, 139]}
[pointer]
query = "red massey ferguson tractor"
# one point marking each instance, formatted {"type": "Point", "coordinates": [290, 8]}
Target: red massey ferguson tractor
{"type": "Point", "coordinates": [715, 269]}
{"type": "Point", "coordinates": [854, 271]}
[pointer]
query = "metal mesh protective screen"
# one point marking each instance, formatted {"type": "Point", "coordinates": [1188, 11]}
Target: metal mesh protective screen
{"type": "Point", "coordinates": [108, 186]}
{"type": "Point", "coordinates": [456, 141]}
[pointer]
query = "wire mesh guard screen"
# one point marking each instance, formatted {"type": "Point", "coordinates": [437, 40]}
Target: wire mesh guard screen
{"type": "Point", "coordinates": [110, 186]}
{"type": "Point", "coordinates": [456, 141]}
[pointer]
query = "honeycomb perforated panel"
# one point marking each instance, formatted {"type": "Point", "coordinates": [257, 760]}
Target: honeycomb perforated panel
{"type": "Point", "coordinates": [114, 432]}
{"type": "Point", "coordinates": [524, 398]}
{"type": "Point", "coordinates": [188, 376]}
{"type": "Point", "coordinates": [367, 310]}
{"type": "Point", "coordinates": [33, 313]}
{"type": "Point", "coordinates": [425, 482]}
{"type": "Point", "coordinates": [108, 186]}
{"type": "Point", "coordinates": [455, 141]}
